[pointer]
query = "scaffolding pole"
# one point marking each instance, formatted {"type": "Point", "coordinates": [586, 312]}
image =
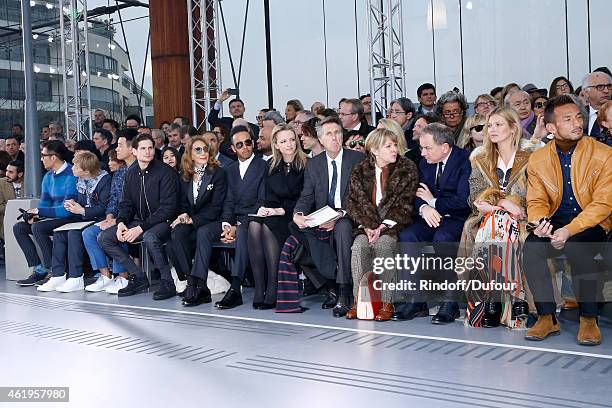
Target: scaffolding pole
{"type": "Point", "coordinates": [386, 53]}
{"type": "Point", "coordinates": [75, 69]}
{"type": "Point", "coordinates": [204, 63]}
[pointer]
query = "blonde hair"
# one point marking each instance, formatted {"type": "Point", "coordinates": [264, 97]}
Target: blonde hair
{"type": "Point", "coordinates": [88, 162]}
{"type": "Point", "coordinates": [299, 161]}
{"type": "Point", "coordinates": [187, 163]}
{"type": "Point", "coordinates": [490, 152]}
{"type": "Point", "coordinates": [377, 138]}
{"type": "Point", "coordinates": [465, 139]}
{"type": "Point", "coordinates": [393, 126]}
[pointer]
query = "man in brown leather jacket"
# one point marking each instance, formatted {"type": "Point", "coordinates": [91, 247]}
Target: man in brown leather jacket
{"type": "Point", "coordinates": [569, 201]}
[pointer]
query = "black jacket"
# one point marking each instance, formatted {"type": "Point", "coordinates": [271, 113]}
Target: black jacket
{"type": "Point", "coordinates": [244, 196]}
{"type": "Point", "coordinates": [150, 196]}
{"type": "Point", "coordinates": [209, 204]}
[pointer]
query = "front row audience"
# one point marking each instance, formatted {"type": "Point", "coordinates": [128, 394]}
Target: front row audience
{"type": "Point", "coordinates": [511, 201]}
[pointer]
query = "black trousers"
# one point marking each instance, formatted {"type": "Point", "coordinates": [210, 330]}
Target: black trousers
{"type": "Point", "coordinates": [42, 232]}
{"type": "Point", "coordinates": [241, 257]}
{"type": "Point", "coordinates": [154, 239]}
{"type": "Point", "coordinates": [580, 250]}
{"type": "Point", "coordinates": [188, 243]}
{"type": "Point", "coordinates": [332, 257]}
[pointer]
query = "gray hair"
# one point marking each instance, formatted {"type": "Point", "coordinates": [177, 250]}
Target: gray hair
{"type": "Point", "coordinates": [586, 82]}
{"type": "Point", "coordinates": [307, 115]}
{"type": "Point", "coordinates": [158, 132]}
{"type": "Point", "coordinates": [405, 103]}
{"type": "Point", "coordinates": [507, 98]}
{"type": "Point", "coordinates": [451, 96]}
{"type": "Point", "coordinates": [441, 133]}
{"type": "Point", "coordinates": [274, 116]}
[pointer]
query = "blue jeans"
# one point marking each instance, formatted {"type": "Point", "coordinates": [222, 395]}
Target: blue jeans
{"type": "Point", "coordinates": [97, 256]}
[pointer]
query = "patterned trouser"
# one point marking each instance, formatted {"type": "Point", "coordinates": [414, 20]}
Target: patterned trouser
{"type": "Point", "coordinates": [362, 259]}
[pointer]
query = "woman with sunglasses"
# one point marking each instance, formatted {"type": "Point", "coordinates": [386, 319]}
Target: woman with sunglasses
{"type": "Point", "coordinates": [381, 196]}
{"type": "Point", "coordinates": [472, 134]}
{"type": "Point", "coordinates": [495, 230]}
{"type": "Point", "coordinates": [268, 231]}
{"type": "Point", "coordinates": [203, 190]}
{"type": "Point", "coordinates": [538, 103]}
{"type": "Point", "coordinates": [355, 142]}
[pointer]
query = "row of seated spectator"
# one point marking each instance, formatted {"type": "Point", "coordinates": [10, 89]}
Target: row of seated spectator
{"type": "Point", "coordinates": [381, 198]}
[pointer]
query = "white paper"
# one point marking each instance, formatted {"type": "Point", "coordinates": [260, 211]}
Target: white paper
{"type": "Point", "coordinates": [74, 226]}
{"type": "Point", "coordinates": [325, 214]}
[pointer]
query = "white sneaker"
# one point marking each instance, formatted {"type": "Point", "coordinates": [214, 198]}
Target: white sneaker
{"type": "Point", "coordinates": [71, 285]}
{"type": "Point", "coordinates": [53, 283]}
{"type": "Point", "coordinates": [114, 287]}
{"type": "Point", "coordinates": [98, 286]}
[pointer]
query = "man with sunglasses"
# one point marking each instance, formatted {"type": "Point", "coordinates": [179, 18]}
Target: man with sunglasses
{"type": "Point", "coordinates": [598, 88]}
{"type": "Point", "coordinates": [58, 186]}
{"type": "Point", "coordinates": [245, 194]}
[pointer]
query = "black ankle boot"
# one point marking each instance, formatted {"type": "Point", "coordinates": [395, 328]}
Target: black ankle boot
{"type": "Point", "coordinates": [492, 314]}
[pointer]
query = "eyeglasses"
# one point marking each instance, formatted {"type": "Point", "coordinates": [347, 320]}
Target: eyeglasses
{"type": "Point", "coordinates": [564, 85]}
{"type": "Point", "coordinates": [396, 112]}
{"type": "Point", "coordinates": [259, 117]}
{"type": "Point", "coordinates": [601, 87]}
{"type": "Point", "coordinates": [247, 142]}
{"type": "Point", "coordinates": [342, 114]}
{"type": "Point", "coordinates": [200, 150]}
{"type": "Point", "coordinates": [477, 128]}
{"type": "Point", "coordinates": [450, 114]}
{"type": "Point", "coordinates": [354, 143]}
{"type": "Point", "coordinates": [46, 155]}
{"type": "Point", "coordinates": [539, 105]}
{"type": "Point", "coordinates": [485, 104]}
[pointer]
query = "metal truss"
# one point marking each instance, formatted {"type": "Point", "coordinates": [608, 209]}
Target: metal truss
{"type": "Point", "coordinates": [386, 50]}
{"type": "Point", "coordinates": [204, 61]}
{"type": "Point", "coordinates": [75, 68]}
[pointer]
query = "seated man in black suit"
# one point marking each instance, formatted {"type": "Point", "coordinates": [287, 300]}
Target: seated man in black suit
{"type": "Point", "coordinates": [326, 180]}
{"type": "Point", "coordinates": [236, 107]}
{"type": "Point", "coordinates": [245, 194]}
{"type": "Point", "coordinates": [442, 202]}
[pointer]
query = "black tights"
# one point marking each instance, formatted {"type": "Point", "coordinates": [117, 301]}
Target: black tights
{"type": "Point", "coordinates": [264, 252]}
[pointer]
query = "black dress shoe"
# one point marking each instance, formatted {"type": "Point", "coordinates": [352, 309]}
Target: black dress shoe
{"type": "Point", "coordinates": [448, 312]}
{"type": "Point", "coordinates": [331, 300]}
{"type": "Point", "coordinates": [231, 299]}
{"type": "Point", "coordinates": [409, 311]}
{"type": "Point", "coordinates": [201, 294]}
{"type": "Point", "coordinates": [257, 305]}
{"type": "Point", "coordinates": [492, 314]}
{"type": "Point", "coordinates": [342, 307]}
{"type": "Point", "coordinates": [166, 290]}
{"type": "Point", "coordinates": [136, 284]}
{"type": "Point", "coordinates": [520, 309]}
{"type": "Point", "coordinates": [266, 306]}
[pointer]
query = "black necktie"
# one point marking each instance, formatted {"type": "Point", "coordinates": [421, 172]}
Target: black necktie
{"type": "Point", "coordinates": [332, 190]}
{"type": "Point", "coordinates": [439, 175]}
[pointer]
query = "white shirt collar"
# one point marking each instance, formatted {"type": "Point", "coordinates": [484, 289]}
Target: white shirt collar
{"type": "Point", "coordinates": [64, 167]}
{"type": "Point", "coordinates": [358, 126]}
{"type": "Point", "coordinates": [338, 158]}
{"type": "Point", "coordinates": [446, 158]}
{"type": "Point", "coordinates": [266, 157]}
{"type": "Point", "coordinates": [244, 165]}
{"type": "Point", "coordinates": [502, 166]}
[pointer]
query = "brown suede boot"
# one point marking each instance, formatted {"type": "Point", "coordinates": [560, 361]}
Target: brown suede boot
{"type": "Point", "coordinates": [547, 325]}
{"type": "Point", "coordinates": [588, 333]}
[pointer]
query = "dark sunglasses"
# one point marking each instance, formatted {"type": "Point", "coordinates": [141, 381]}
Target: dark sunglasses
{"type": "Point", "coordinates": [200, 150]}
{"type": "Point", "coordinates": [539, 105]}
{"type": "Point", "coordinates": [353, 143]}
{"type": "Point", "coordinates": [247, 142]}
{"type": "Point", "coordinates": [477, 128]}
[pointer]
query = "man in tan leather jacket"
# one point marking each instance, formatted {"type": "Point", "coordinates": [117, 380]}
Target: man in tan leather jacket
{"type": "Point", "coordinates": [569, 201]}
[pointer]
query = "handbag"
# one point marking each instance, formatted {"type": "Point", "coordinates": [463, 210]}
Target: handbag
{"type": "Point", "coordinates": [369, 300]}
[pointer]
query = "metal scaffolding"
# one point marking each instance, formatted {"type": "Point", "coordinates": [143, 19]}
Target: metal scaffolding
{"type": "Point", "coordinates": [386, 50]}
{"type": "Point", "coordinates": [75, 68]}
{"type": "Point", "coordinates": [204, 61]}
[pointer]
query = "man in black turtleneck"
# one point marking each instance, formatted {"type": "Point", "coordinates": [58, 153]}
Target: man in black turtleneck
{"type": "Point", "coordinates": [569, 201]}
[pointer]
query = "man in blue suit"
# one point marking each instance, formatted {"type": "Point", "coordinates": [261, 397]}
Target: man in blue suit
{"type": "Point", "coordinates": [245, 194]}
{"type": "Point", "coordinates": [442, 202]}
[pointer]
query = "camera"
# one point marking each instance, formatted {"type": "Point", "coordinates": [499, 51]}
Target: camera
{"type": "Point", "coordinates": [25, 216]}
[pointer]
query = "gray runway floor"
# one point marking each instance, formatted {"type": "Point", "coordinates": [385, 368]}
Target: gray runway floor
{"type": "Point", "coordinates": [135, 352]}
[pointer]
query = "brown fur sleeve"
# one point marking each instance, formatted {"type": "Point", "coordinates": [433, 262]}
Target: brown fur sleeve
{"type": "Point", "coordinates": [403, 209]}
{"type": "Point", "coordinates": [360, 207]}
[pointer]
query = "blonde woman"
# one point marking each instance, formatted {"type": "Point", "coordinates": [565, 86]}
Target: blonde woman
{"type": "Point", "coordinates": [284, 180]}
{"type": "Point", "coordinates": [495, 230]}
{"type": "Point", "coordinates": [382, 189]}
{"type": "Point", "coordinates": [473, 132]}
